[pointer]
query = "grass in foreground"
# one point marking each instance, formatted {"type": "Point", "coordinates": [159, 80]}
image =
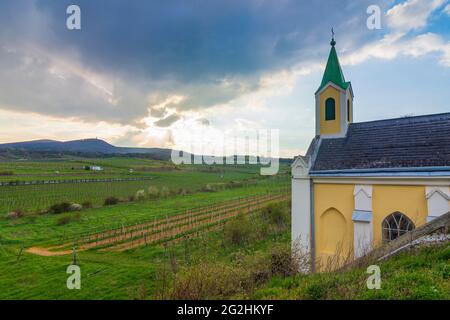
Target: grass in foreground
{"type": "Point", "coordinates": [137, 274]}
{"type": "Point", "coordinates": [420, 274]}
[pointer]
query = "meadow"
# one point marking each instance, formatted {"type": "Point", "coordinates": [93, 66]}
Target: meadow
{"type": "Point", "coordinates": [147, 173]}
{"type": "Point", "coordinates": [199, 203]}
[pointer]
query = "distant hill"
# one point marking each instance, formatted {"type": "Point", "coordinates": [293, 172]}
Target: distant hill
{"type": "Point", "coordinates": [37, 149]}
{"type": "Point", "coordinates": [88, 146]}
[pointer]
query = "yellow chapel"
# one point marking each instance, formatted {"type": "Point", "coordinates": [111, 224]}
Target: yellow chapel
{"type": "Point", "coordinates": [363, 184]}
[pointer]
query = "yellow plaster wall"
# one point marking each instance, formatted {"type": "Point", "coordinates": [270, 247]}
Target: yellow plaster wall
{"type": "Point", "coordinates": [387, 199]}
{"type": "Point", "coordinates": [333, 209]}
{"type": "Point", "coordinates": [351, 107]}
{"type": "Point", "coordinates": [331, 126]}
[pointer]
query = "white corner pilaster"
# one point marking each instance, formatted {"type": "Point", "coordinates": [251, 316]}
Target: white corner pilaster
{"type": "Point", "coordinates": [301, 205]}
{"type": "Point", "coordinates": [362, 220]}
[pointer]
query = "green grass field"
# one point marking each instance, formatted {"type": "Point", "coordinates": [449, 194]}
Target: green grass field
{"type": "Point", "coordinates": [35, 198]}
{"type": "Point", "coordinates": [111, 275]}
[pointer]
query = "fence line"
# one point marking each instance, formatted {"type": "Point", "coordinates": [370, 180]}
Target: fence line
{"type": "Point", "coordinates": [38, 182]}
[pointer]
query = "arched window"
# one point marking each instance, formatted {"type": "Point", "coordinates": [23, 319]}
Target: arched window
{"type": "Point", "coordinates": [395, 225]}
{"type": "Point", "coordinates": [330, 109]}
{"type": "Point", "coordinates": [348, 110]}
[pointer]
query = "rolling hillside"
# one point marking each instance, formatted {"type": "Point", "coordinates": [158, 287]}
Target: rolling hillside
{"type": "Point", "coordinates": [83, 146]}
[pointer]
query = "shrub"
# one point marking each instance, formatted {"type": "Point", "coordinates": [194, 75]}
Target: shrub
{"type": "Point", "coordinates": [153, 192]}
{"type": "Point", "coordinates": [16, 214]}
{"type": "Point", "coordinates": [234, 184]}
{"type": "Point", "coordinates": [60, 207]}
{"type": "Point", "coordinates": [63, 221]}
{"type": "Point", "coordinates": [315, 291]}
{"type": "Point", "coordinates": [140, 195]}
{"type": "Point", "coordinates": [165, 192]}
{"type": "Point", "coordinates": [6, 173]}
{"type": "Point", "coordinates": [238, 232]}
{"type": "Point", "coordinates": [208, 188]}
{"type": "Point", "coordinates": [281, 262]}
{"type": "Point", "coordinates": [75, 207]}
{"type": "Point", "coordinates": [87, 204]}
{"type": "Point", "coordinates": [111, 201]}
{"type": "Point", "coordinates": [206, 281]}
{"type": "Point", "coordinates": [276, 213]}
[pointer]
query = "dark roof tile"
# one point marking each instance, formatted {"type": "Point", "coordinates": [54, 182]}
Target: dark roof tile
{"type": "Point", "coordinates": [422, 141]}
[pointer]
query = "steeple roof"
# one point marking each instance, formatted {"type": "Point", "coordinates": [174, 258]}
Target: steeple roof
{"type": "Point", "coordinates": [333, 71]}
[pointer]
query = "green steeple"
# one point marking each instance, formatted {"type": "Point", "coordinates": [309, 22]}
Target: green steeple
{"type": "Point", "coordinates": [333, 71]}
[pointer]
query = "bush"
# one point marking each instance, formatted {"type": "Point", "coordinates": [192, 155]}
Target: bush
{"type": "Point", "coordinates": [6, 173]}
{"type": "Point", "coordinates": [165, 192]}
{"type": "Point", "coordinates": [75, 207]}
{"type": "Point", "coordinates": [153, 192]}
{"type": "Point", "coordinates": [282, 263]}
{"type": "Point", "coordinates": [111, 201]}
{"type": "Point", "coordinates": [208, 188]}
{"type": "Point", "coordinates": [63, 221]}
{"type": "Point", "coordinates": [276, 213]}
{"type": "Point", "coordinates": [60, 207]}
{"type": "Point", "coordinates": [238, 232]}
{"type": "Point", "coordinates": [140, 195]}
{"type": "Point", "coordinates": [67, 219]}
{"type": "Point", "coordinates": [315, 291]}
{"type": "Point", "coordinates": [16, 214]}
{"type": "Point", "coordinates": [234, 184]}
{"type": "Point", "coordinates": [204, 281]}
{"type": "Point", "coordinates": [87, 204]}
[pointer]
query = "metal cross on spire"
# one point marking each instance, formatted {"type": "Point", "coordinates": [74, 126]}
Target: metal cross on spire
{"type": "Point", "coordinates": [332, 37]}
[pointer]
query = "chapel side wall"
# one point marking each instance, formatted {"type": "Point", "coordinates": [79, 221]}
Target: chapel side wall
{"type": "Point", "coordinates": [329, 198]}
{"type": "Point", "coordinates": [387, 199]}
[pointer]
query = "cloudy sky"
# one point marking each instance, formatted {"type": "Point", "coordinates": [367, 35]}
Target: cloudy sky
{"type": "Point", "coordinates": [145, 73]}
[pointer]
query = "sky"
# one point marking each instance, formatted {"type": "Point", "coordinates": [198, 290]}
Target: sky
{"type": "Point", "coordinates": [149, 73]}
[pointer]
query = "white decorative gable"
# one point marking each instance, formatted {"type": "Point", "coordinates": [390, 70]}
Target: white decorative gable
{"type": "Point", "coordinates": [299, 168]}
{"type": "Point", "coordinates": [438, 201]}
{"type": "Point", "coordinates": [363, 197]}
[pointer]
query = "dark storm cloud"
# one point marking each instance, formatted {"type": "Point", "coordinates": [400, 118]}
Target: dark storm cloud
{"type": "Point", "coordinates": [200, 40]}
{"type": "Point", "coordinates": [165, 122]}
{"type": "Point", "coordinates": [159, 48]}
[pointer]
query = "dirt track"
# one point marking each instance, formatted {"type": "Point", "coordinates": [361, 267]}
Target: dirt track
{"type": "Point", "coordinates": [189, 222]}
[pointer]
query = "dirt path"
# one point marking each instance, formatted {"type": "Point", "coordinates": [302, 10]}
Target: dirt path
{"type": "Point", "coordinates": [164, 229]}
{"type": "Point", "coordinates": [46, 253]}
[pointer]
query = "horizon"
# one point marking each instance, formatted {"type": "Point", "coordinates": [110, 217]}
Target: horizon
{"type": "Point", "coordinates": [235, 154]}
{"type": "Point", "coordinates": [229, 66]}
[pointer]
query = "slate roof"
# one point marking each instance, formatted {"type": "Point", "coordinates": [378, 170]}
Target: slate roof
{"type": "Point", "coordinates": [410, 142]}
